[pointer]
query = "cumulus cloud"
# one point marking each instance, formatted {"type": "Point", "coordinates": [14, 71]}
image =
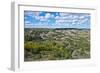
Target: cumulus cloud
{"type": "Point", "coordinates": [49, 18]}
{"type": "Point", "coordinates": [64, 14]}
{"type": "Point", "coordinates": [75, 16]}
{"type": "Point", "coordinates": [37, 17]}
{"type": "Point", "coordinates": [47, 15]}
{"type": "Point", "coordinates": [57, 17]}
{"type": "Point", "coordinates": [31, 13]}
{"type": "Point", "coordinates": [82, 17]}
{"type": "Point", "coordinates": [27, 22]}
{"type": "Point", "coordinates": [42, 18]}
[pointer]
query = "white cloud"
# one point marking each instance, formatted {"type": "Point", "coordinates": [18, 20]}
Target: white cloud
{"type": "Point", "coordinates": [70, 16]}
{"type": "Point", "coordinates": [64, 14]}
{"type": "Point", "coordinates": [47, 15]}
{"type": "Point", "coordinates": [74, 20]}
{"type": "Point", "coordinates": [62, 20]}
{"type": "Point", "coordinates": [57, 17]}
{"type": "Point", "coordinates": [83, 21]}
{"type": "Point", "coordinates": [27, 22]}
{"type": "Point", "coordinates": [52, 16]}
{"type": "Point", "coordinates": [75, 16]}
{"type": "Point", "coordinates": [42, 18]}
{"type": "Point", "coordinates": [82, 17]}
{"type": "Point", "coordinates": [37, 17]}
{"type": "Point", "coordinates": [29, 13]}
{"type": "Point", "coordinates": [36, 13]}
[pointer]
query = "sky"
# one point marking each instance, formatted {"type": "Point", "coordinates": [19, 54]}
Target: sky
{"type": "Point", "coordinates": [43, 19]}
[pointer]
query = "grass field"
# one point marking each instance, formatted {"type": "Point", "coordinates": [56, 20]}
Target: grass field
{"type": "Point", "coordinates": [41, 44]}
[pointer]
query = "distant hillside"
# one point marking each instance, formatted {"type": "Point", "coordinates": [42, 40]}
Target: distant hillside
{"type": "Point", "coordinates": [26, 29]}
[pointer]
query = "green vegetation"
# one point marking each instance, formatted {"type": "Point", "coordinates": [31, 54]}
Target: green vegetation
{"type": "Point", "coordinates": [56, 44]}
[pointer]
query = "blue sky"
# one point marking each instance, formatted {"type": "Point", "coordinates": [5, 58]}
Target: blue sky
{"type": "Point", "coordinates": [42, 19]}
